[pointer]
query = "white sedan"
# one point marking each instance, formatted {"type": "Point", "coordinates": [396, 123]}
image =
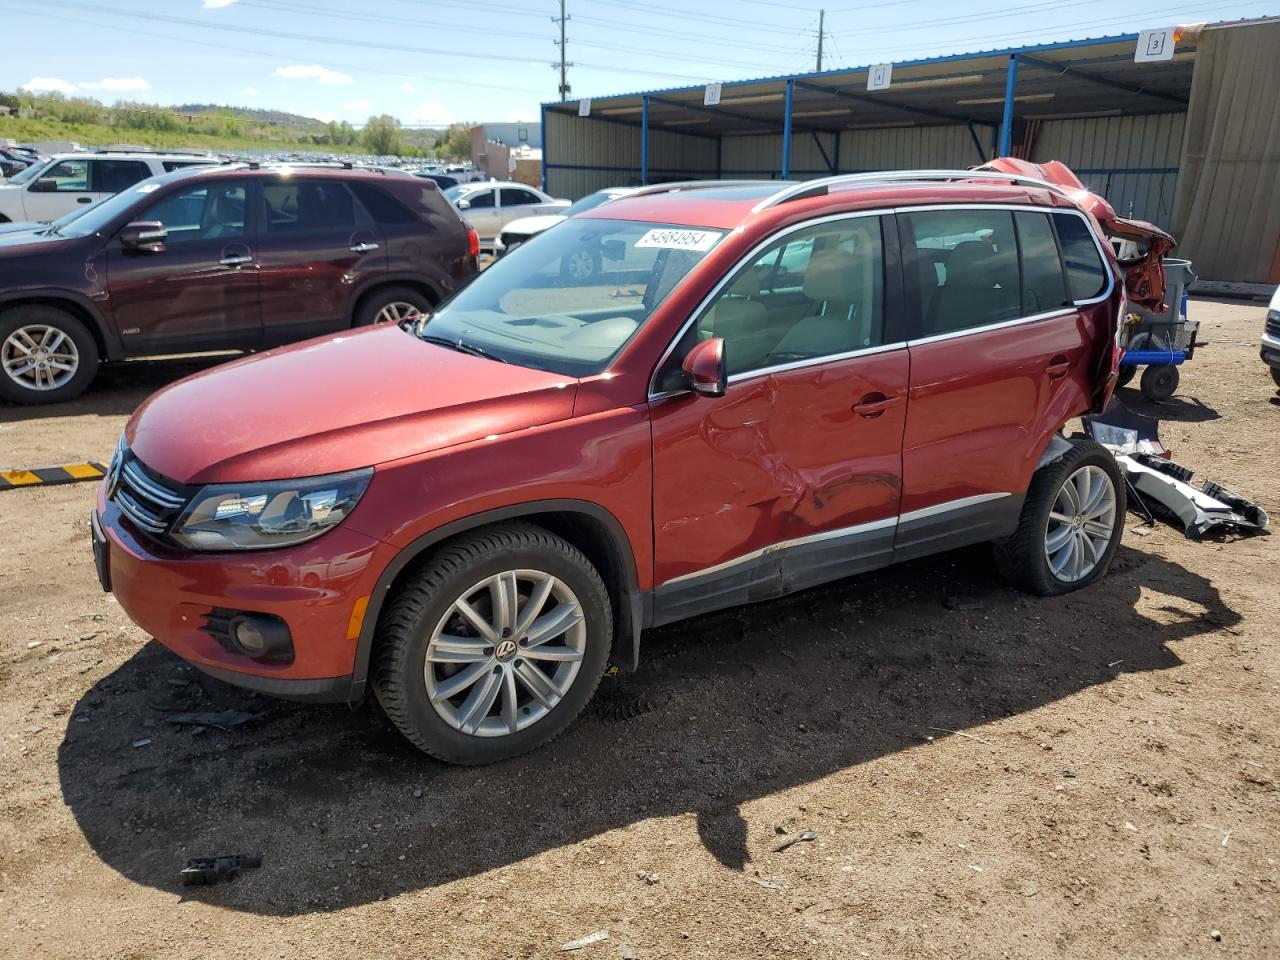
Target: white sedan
{"type": "Point", "coordinates": [490, 205]}
{"type": "Point", "coordinates": [518, 231]}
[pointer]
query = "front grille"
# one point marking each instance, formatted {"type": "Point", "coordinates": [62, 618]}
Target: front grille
{"type": "Point", "coordinates": [1273, 323]}
{"type": "Point", "coordinates": [151, 502]}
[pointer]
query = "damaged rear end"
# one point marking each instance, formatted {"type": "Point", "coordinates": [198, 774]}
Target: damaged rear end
{"type": "Point", "coordinates": [1140, 264]}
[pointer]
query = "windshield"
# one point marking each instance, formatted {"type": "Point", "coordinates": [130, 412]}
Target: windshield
{"type": "Point", "coordinates": [589, 202]}
{"type": "Point", "coordinates": [569, 299]}
{"type": "Point", "coordinates": [22, 176]}
{"type": "Point", "coordinates": [81, 223]}
{"type": "Point", "coordinates": [453, 193]}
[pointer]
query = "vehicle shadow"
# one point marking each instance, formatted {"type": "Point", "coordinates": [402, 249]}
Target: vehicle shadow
{"type": "Point", "coordinates": [1179, 408]}
{"type": "Point", "coordinates": [725, 709]}
{"type": "Point", "coordinates": [119, 388]}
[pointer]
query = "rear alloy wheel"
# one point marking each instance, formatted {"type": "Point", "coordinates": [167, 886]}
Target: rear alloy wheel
{"type": "Point", "coordinates": [395, 305]}
{"type": "Point", "coordinates": [579, 266]}
{"type": "Point", "coordinates": [494, 646]}
{"type": "Point", "coordinates": [46, 355]}
{"type": "Point", "coordinates": [1071, 524]}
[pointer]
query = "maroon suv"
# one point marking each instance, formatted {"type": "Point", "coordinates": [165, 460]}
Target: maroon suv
{"type": "Point", "coordinates": [239, 257]}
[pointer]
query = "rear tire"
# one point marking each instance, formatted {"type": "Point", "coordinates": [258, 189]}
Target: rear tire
{"type": "Point", "coordinates": [36, 334]}
{"type": "Point", "coordinates": [1160, 382]}
{"type": "Point", "coordinates": [391, 305]}
{"type": "Point", "coordinates": [1049, 526]}
{"type": "Point", "coordinates": [471, 694]}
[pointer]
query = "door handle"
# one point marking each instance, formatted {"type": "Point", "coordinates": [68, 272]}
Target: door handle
{"type": "Point", "coordinates": [84, 199]}
{"type": "Point", "coordinates": [873, 405]}
{"type": "Point", "coordinates": [363, 247]}
{"type": "Point", "coordinates": [236, 260]}
{"type": "Point", "coordinates": [1058, 367]}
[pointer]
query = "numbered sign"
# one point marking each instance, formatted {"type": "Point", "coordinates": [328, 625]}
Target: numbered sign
{"type": "Point", "coordinates": [584, 107]}
{"type": "Point", "coordinates": [1155, 45]}
{"type": "Point", "coordinates": [711, 95]}
{"type": "Point", "coordinates": [880, 76]}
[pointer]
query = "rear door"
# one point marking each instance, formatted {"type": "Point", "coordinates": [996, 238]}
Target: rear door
{"type": "Point", "coordinates": [201, 291]}
{"type": "Point", "coordinates": [999, 357]}
{"type": "Point", "coordinates": [794, 476]}
{"type": "Point", "coordinates": [316, 245]}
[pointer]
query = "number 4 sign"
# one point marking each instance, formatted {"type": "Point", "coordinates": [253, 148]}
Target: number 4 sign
{"type": "Point", "coordinates": [1154, 45]}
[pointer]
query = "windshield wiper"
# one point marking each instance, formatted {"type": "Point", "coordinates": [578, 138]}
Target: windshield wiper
{"type": "Point", "coordinates": [462, 347]}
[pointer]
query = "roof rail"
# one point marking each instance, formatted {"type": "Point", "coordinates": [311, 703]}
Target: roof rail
{"type": "Point", "coordinates": [656, 188]}
{"type": "Point", "coordinates": [820, 187]}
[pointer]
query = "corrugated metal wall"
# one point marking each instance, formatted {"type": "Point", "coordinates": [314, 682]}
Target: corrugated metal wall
{"type": "Point", "coordinates": [1132, 161]}
{"type": "Point", "coordinates": [891, 148]}
{"type": "Point", "coordinates": [583, 155]}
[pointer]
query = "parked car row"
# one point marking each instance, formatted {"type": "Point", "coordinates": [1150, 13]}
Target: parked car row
{"type": "Point", "coordinates": [237, 256]}
{"type": "Point", "coordinates": [471, 515]}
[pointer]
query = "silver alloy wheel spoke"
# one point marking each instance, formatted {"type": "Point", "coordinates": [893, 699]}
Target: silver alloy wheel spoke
{"type": "Point", "coordinates": [505, 652]}
{"type": "Point", "coordinates": [395, 312]}
{"type": "Point", "coordinates": [39, 357]}
{"type": "Point", "coordinates": [1081, 524]}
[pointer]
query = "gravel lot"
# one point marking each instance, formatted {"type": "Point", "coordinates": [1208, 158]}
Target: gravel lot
{"type": "Point", "coordinates": [988, 775]}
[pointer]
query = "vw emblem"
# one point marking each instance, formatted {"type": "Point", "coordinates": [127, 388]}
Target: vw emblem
{"type": "Point", "coordinates": [506, 650]}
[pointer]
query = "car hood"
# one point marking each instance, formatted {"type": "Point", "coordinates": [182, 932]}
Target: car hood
{"type": "Point", "coordinates": [531, 225]}
{"type": "Point", "coordinates": [338, 403]}
{"type": "Point", "coordinates": [17, 239]}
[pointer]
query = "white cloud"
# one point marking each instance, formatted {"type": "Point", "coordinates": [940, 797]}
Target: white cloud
{"type": "Point", "coordinates": [118, 85]}
{"type": "Point", "coordinates": [249, 92]}
{"type": "Point", "coordinates": [408, 88]}
{"type": "Point", "coordinates": [322, 75]}
{"type": "Point", "coordinates": [522, 116]}
{"type": "Point", "coordinates": [433, 113]}
{"type": "Point", "coordinates": [353, 105]}
{"type": "Point", "coordinates": [48, 85]}
{"type": "Point", "coordinates": [215, 4]}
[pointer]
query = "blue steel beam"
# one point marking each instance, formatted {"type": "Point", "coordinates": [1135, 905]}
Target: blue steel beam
{"type": "Point", "coordinates": [1006, 124]}
{"type": "Point", "coordinates": [644, 141]}
{"type": "Point", "coordinates": [786, 130]}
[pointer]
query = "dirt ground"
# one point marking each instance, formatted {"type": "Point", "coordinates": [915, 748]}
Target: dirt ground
{"type": "Point", "coordinates": [988, 774]}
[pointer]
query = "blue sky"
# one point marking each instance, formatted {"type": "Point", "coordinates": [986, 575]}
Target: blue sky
{"type": "Point", "coordinates": [430, 62]}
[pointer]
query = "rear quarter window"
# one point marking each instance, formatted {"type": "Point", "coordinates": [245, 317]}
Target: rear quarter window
{"type": "Point", "coordinates": [383, 207]}
{"type": "Point", "coordinates": [1086, 273]}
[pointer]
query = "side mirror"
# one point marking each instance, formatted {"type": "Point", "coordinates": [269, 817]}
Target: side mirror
{"type": "Point", "coordinates": [47, 185]}
{"type": "Point", "coordinates": [704, 367]}
{"type": "Point", "coordinates": [144, 236]}
{"type": "Point", "coordinates": [464, 204]}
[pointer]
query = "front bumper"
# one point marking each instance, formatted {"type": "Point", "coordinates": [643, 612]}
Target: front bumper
{"type": "Point", "coordinates": [1270, 351]}
{"type": "Point", "coordinates": [319, 588]}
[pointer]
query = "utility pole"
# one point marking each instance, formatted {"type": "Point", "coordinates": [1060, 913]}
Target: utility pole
{"type": "Point", "coordinates": [822, 17]}
{"type": "Point", "coordinates": [564, 64]}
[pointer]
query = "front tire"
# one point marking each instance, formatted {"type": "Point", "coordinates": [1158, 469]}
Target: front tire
{"type": "Point", "coordinates": [494, 645]}
{"type": "Point", "coordinates": [46, 355]}
{"type": "Point", "coordinates": [1071, 524]}
{"type": "Point", "coordinates": [1275, 375]}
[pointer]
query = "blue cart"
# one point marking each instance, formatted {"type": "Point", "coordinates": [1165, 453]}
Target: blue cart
{"type": "Point", "coordinates": [1161, 342]}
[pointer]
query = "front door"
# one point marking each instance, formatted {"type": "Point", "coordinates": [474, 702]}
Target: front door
{"type": "Point", "coordinates": [201, 291]}
{"type": "Point", "coordinates": [316, 247]}
{"type": "Point", "coordinates": [482, 213]}
{"type": "Point", "coordinates": [793, 477]}
{"type": "Point", "coordinates": [999, 358]}
{"type": "Point", "coordinates": [62, 188]}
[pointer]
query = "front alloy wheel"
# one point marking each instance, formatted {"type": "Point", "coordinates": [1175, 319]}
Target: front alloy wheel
{"type": "Point", "coordinates": [493, 645]}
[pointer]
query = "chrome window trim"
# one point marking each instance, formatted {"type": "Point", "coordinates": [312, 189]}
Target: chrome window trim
{"type": "Point", "coordinates": [816, 361]}
{"type": "Point", "coordinates": [655, 394]}
{"type": "Point", "coordinates": [744, 260]}
{"type": "Point", "coordinates": [870, 527]}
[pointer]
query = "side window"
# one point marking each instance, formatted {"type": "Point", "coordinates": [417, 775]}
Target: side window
{"type": "Point", "coordinates": [383, 207]}
{"type": "Point", "coordinates": [70, 176]}
{"type": "Point", "coordinates": [815, 293]}
{"type": "Point", "coordinates": [172, 165]}
{"type": "Point", "coordinates": [965, 267]}
{"type": "Point", "coordinates": [515, 197]}
{"type": "Point", "coordinates": [210, 211]}
{"type": "Point", "coordinates": [481, 199]}
{"type": "Point", "coordinates": [112, 176]}
{"type": "Point", "coordinates": [1043, 285]}
{"type": "Point", "coordinates": [308, 205]}
{"type": "Point", "coordinates": [1086, 273]}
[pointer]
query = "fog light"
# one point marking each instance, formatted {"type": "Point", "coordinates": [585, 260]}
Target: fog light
{"type": "Point", "coordinates": [262, 637]}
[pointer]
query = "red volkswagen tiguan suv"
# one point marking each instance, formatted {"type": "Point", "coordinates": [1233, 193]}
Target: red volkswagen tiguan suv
{"type": "Point", "coordinates": [767, 386]}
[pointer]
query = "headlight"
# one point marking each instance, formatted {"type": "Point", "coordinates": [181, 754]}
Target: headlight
{"type": "Point", "coordinates": [277, 513]}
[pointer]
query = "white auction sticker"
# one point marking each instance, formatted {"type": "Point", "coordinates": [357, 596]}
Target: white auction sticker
{"type": "Point", "coordinates": [148, 187]}
{"type": "Point", "coordinates": [700, 240]}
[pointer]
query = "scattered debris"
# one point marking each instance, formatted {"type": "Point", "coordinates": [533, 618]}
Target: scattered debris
{"type": "Point", "coordinates": [1068, 773]}
{"type": "Point", "coordinates": [1130, 826]}
{"type": "Point", "coordinates": [627, 953]}
{"type": "Point", "coordinates": [1115, 663]}
{"type": "Point", "coordinates": [974, 867]}
{"type": "Point", "coordinates": [650, 879]}
{"type": "Point", "coordinates": [960, 733]}
{"type": "Point", "coordinates": [588, 940]}
{"type": "Point", "coordinates": [144, 742]}
{"type": "Point", "coordinates": [222, 719]}
{"type": "Point", "coordinates": [806, 837]}
{"type": "Point", "coordinates": [200, 871]}
{"type": "Point", "coordinates": [1226, 837]}
{"type": "Point", "coordinates": [35, 643]}
{"type": "Point", "coordinates": [767, 884]}
{"type": "Point", "coordinates": [1215, 935]}
{"type": "Point", "coordinates": [1209, 508]}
